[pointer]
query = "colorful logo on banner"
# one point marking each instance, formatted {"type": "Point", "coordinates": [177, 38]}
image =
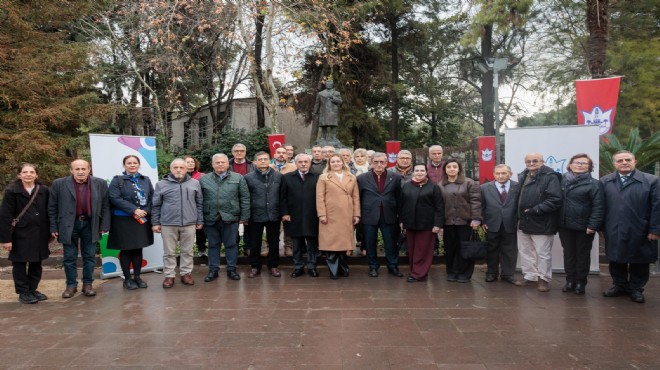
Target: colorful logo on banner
{"type": "Point", "coordinates": [556, 164]}
{"type": "Point", "coordinates": [596, 102]}
{"type": "Point", "coordinates": [275, 141]}
{"type": "Point", "coordinates": [486, 158]}
{"type": "Point", "coordinates": [392, 149]}
{"type": "Point", "coordinates": [146, 146]}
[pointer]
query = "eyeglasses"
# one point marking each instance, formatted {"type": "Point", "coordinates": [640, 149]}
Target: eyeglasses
{"type": "Point", "coordinates": [532, 161]}
{"type": "Point", "coordinates": [378, 162]}
{"type": "Point", "coordinates": [581, 163]}
{"type": "Point", "coordinates": [408, 158]}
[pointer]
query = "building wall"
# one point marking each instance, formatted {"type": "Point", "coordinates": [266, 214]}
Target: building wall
{"type": "Point", "coordinates": [244, 116]}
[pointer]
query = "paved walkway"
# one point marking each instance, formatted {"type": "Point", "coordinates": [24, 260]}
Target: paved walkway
{"type": "Point", "coordinates": [317, 323]}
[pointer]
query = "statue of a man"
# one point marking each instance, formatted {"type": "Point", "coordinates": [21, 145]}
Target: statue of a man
{"type": "Point", "coordinates": [326, 111]}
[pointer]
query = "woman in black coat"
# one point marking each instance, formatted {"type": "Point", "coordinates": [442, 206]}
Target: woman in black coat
{"type": "Point", "coordinates": [422, 215]}
{"type": "Point", "coordinates": [28, 243]}
{"type": "Point", "coordinates": [130, 197]}
{"type": "Point", "coordinates": [581, 215]}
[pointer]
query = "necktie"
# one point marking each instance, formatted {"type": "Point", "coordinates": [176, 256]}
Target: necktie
{"type": "Point", "coordinates": [503, 194]}
{"type": "Point", "coordinates": [624, 179]}
{"type": "Point", "coordinates": [302, 176]}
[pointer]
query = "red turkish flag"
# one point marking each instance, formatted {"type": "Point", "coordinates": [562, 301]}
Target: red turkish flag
{"type": "Point", "coordinates": [392, 148]}
{"type": "Point", "coordinates": [487, 154]}
{"type": "Point", "coordinates": [275, 141]}
{"type": "Point", "coordinates": [596, 102]}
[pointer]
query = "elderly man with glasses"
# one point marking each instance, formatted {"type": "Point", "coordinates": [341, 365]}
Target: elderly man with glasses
{"type": "Point", "coordinates": [403, 165]}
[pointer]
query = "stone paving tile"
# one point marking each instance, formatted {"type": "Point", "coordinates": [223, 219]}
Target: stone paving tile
{"type": "Point", "coordinates": [318, 323]}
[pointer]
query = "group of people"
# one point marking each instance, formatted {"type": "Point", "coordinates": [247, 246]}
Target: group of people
{"type": "Point", "coordinates": [323, 203]}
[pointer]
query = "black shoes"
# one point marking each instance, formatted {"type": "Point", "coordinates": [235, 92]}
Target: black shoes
{"type": "Point", "coordinates": [312, 272]}
{"type": "Point", "coordinates": [508, 279]}
{"type": "Point", "coordinates": [297, 272]}
{"type": "Point", "coordinates": [140, 283]}
{"type": "Point", "coordinates": [27, 298]}
{"type": "Point", "coordinates": [373, 272]}
{"type": "Point", "coordinates": [130, 284]}
{"type": "Point", "coordinates": [233, 275]}
{"type": "Point", "coordinates": [411, 279]}
{"type": "Point", "coordinates": [637, 296]}
{"type": "Point", "coordinates": [568, 287]}
{"type": "Point", "coordinates": [212, 275]}
{"type": "Point", "coordinates": [39, 296]}
{"type": "Point", "coordinates": [579, 288]}
{"type": "Point", "coordinates": [614, 291]}
{"type": "Point", "coordinates": [490, 278]}
{"type": "Point", "coordinates": [395, 272]}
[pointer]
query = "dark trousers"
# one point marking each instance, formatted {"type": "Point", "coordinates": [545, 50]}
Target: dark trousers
{"type": "Point", "coordinates": [630, 276]}
{"type": "Point", "coordinates": [222, 233]}
{"type": "Point", "coordinates": [311, 244]}
{"type": "Point", "coordinates": [457, 267]}
{"type": "Point", "coordinates": [420, 252]}
{"type": "Point", "coordinates": [82, 233]}
{"type": "Point", "coordinates": [577, 254]}
{"type": "Point", "coordinates": [390, 232]}
{"type": "Point", "coordinates": [337, 265]}
{"type": "Point", "coordinates": [254, 234]}
{"type": "Point", "coordinates": [27, 276]}
{"type": "Point", "coordinates": [502, 252]}
{"type": "Point", "coordinates": [128, 258]}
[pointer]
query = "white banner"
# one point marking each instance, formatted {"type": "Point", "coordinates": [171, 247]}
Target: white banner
{"type": "Point", "coordinates": [107, 153]}
{"type": "Point", "coordinates": [557, 144]}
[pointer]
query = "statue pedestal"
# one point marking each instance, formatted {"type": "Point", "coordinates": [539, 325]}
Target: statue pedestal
{"type": "Point", "coordinates": [333, 141]}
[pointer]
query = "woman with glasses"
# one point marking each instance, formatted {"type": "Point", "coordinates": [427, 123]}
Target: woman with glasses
{"type": "Point", "coordinates": [581, 215]}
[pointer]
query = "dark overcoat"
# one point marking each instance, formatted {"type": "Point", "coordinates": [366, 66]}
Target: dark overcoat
{"type": "Point", "coordinates": [372, 201]}
{"type": "Point", "coordinates": [298, 200]}
{"type": "Point", "coordinates": [62, 208]}
{"type": "Point", "coordinates": [32, 233]}
{"type": "Point", "coordinates": [631, 213]}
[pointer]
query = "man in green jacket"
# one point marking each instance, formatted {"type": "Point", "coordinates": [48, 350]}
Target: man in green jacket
{"type": "Point", "coordinates": [226, 205]}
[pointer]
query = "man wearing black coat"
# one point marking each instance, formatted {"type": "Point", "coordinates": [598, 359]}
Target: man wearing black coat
{"type": "Point", "coordinates": [264, 184]}
{"type": "Point", "coordinates": [499, 204]}
{"type": "Point", "coordinates": [632, 226]}
{"type": "Point", "coordinates": [538, 214]}
{"type": "Point", "coordinates": [298, 210]}
{"type": "Point", "coordinates": [380, 191]}
{"type": "Point", "coordinates": [79, 211]}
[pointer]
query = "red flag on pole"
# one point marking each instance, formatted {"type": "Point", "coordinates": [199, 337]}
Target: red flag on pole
{"type": "Point", "coordinates": [275, 141]}
{"type": "Point", "coordinates": [486, 158]}
{"type": "Point", "coordinates": [596, 102]}
{"type": "Point", "coordinates": [392, 148]}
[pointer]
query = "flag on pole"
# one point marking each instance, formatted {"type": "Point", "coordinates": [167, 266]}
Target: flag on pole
{"type": "Point", "coordinates": [392, 149]}
{"type": "Point", "coordinates": [596, 102]}
{"type": "Point", "coordinates": [275, 141]}
{"type": "Point", "coordinates": [486, 158]}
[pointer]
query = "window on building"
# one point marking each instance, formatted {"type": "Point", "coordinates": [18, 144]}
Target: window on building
{"type": "Point", "coordinates": [203, 129]}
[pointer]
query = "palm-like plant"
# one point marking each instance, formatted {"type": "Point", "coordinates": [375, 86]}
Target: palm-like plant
{"type": "Point", "coordinates": [647, 152]}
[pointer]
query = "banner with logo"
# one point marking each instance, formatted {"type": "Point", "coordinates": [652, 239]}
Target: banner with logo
{"type": "Point", "coordinates": [557, 144]}
{"type": "Point", "coordinates": [275, 141]}
{"type": "Point", "coordinates": [486, 158]}
{"type": "Point", "coordinates": [392, 148]}
{"type": "Point", "coordinates": [596, 102]}
{"type": "Point", "coordinates": [107, 152]}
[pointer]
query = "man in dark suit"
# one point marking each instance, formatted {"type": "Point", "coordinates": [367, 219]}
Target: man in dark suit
{"type": "Point", "coordinates": [499, 203]}
{"type": "Point", "coordinates": [298, 210]}
{"type": "Point", "coordinates": [79, 211]}
{"type": "Point", "coordinates": [380, 191]}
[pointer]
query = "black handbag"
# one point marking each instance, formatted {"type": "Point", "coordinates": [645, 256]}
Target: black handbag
{"type": "Point", "coordinates": [474, 248]}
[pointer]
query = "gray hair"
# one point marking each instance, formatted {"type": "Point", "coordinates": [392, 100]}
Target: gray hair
{"type": "Point", "coordinates": [177, 160]}
{"type": "Point", "coordinates": [379, 154]}
{"type": "Point", "coordinates": [404, 151]}
{"type": "Point", "coordinates": [238, 146]}
{"type": "Point", "coordinates": [432, 147]}
{"type": "Point", "coordinates": [360, 150]}
{"type": "Point", "coordinates": [219, 155]}
{"type": "Point", "coordinates": [344, 150]}
{"type": "Point", "coordinates": [304, 155]}
{"type": "Point", "coordinates": [502, 165]}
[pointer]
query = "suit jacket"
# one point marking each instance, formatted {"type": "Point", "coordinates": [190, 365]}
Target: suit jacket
{"type": "Point", "coordinates": [495, 214]}
{"type": "Point", "coordinates": [371, 201]}
{"type": "Point", "coordinates": [62, 208]}
{"type": "Point", "coordinates": [298, 200]}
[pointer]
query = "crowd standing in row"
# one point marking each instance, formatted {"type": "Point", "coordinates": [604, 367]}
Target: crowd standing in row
{"type": "Point", "coordinates": [328, 201]}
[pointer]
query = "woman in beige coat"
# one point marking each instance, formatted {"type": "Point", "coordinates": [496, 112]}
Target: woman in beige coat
{"type": "Point", "coordinates": [338, 208]}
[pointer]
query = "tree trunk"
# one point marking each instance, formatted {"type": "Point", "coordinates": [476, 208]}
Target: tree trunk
{"type": "Point", "coordinates": [487, 96]}
{"type": "Point", "coordinates": [258, 46]}
{"type": "Point", "coordinates": [434, 129]}
{"type": "Point", "coordinates": [394, 93]}
{"type": "Point", "coordinates": [597, 25]}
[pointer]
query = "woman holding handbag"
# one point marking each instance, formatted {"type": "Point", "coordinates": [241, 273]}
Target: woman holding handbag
{"type": "Point", "coordinates": [130, 197]}
{"type": "Point", "coordinates": [25, 231]}
{"type": "Point", "coordinates": [462, 217]}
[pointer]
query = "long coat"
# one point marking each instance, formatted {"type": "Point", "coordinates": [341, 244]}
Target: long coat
{"type": "Point", "coordinates": [462, 200]}
{"type": "Point", "coordinates": [32, 233]}
{"type": "Point", "coordinates": [339, 201]}
{"type": "Point", "coordinates": [497, 214]}
{"type": "Point", "coordinates": [298, 200]}
{"type": "Point", "coordinates": [62, 208]}
{"type": "Point", "coordinates": [631, 213]}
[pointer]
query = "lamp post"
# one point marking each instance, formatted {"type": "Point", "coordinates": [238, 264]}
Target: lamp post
{"type": "Point", "coordinates": [496, 65]}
